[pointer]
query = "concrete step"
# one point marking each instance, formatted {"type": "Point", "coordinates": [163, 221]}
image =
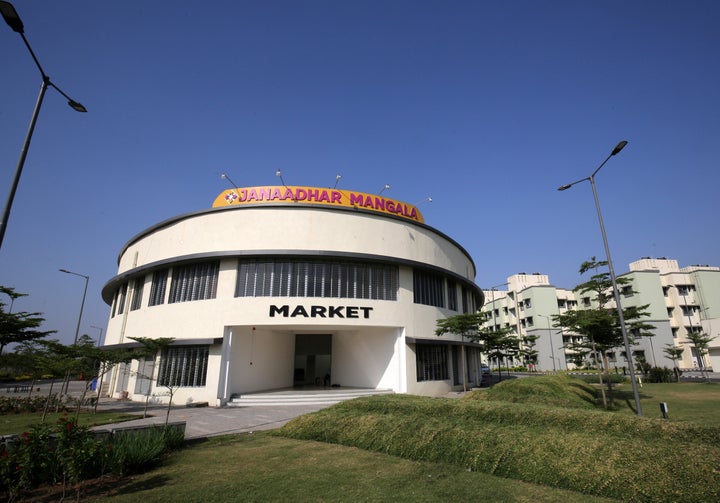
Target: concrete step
{"type": "Point", "coordinates": [302, 397]}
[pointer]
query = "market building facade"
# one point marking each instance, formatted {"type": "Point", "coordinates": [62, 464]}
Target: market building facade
{"type": "Point", "coordinates": [281, 287]}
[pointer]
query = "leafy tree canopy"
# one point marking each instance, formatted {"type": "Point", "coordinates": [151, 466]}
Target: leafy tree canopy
{"type": "Point", "coordinates": [20, 326]}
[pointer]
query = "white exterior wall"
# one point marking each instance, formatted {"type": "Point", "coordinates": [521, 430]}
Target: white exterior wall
{"type": "Point", "coordinates": [258, 349]}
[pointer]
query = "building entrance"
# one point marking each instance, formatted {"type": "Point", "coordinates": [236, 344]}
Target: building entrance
{"type": "Point", "coordinates": [312, 359]}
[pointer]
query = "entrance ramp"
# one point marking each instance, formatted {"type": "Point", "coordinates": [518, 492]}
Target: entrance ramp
{"type": "Point", "coordinates": [303, 396]}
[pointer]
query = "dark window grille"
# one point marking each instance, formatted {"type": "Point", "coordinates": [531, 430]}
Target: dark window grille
{"type": "Point", "coordinates": [121, 298]}
{"type": "Point", "coordinates": [428, 288]}
{"type": "Point", "coordinates": [184, 366]}
{"type": "Point", "coordinates": [137, 292]}
{"type": "Point", "coordinates": [432, 362]}
{"type": "Point", "coordinates": [298, 278]}
{"type": "Point", "coordinates": [452, 295]}
{"type": "Point", "coordinates": [157, 289]}
{"type": "Point", "coordinates": [194, 282]}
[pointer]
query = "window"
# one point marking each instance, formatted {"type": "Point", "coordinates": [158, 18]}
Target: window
{"type": "Point", "coordinates": [194, 282]}
{"type": "Point", "coordinates": [674, 333]}
{"type": "Point", "coordinates": [157, 290]}
{"type": "Point", "coordinates": [432, 362]}
{"type": "Point", "coordinates": [685, 289]}
{"type": "Point", "coordinates": [530, 321]}
{"type": "Point", "coordinates": [297, 278]}
{"type": "Point", "coordinates": [122, 293]}
{"type": "Point", "coordinates": [505, 310]}
{"type": "Point", "coordinates": [184, 366]}
{"type": "Point", "coordinates": [670, 311]}
{"type": "Point", "coordinates": [627, 291]}
{"type": "Point", "coordinates": [464, 301]}
{"type": "Point", "coordinates": [146, 369]}
{"type": "Point", "coordinates": [528, 303]}
{"type": "Point", "coordinates": [137, 291]}
{"type": "Point", "coordinates": [428, 288]}
{"type": "Point", "coordinates": [561, 303]}
{"type": "Point", "coordinates": [586, 301]}
{"type": "Point", "coordinates": [452, 295]}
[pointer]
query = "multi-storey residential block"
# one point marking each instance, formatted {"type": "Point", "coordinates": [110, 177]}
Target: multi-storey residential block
{"type": "Point", "coordinates": [679, 301]}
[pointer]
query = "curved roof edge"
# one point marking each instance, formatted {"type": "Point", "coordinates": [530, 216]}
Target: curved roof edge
{"type": "Point", "coordinates": [301, 206]}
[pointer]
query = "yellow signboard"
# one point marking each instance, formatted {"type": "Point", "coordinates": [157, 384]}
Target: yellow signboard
{"type": "Point", "coordinates": [283, 194]}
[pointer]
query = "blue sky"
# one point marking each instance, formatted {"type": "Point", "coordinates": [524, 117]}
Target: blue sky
{"type": "Point", "coordinates": [487, 107]}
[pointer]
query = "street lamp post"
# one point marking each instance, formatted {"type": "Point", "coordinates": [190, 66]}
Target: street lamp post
{"type": "Point", "coordinates": [552, 351]}
{"type": "Point", "coordinates": [13, 20]}
{"type": "Point", "coordinates": [616, 292]}
{"type": "Point", "coordinates": [82, 305]}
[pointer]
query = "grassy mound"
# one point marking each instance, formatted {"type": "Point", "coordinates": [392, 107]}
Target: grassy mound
{"type": "Point", "coordinates": [557, 391]}
{"type": "Point", "coordinates": [589, 451]}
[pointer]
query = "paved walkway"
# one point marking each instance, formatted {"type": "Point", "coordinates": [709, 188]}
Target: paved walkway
{"type": "Point", "coordinates": [201, 422]}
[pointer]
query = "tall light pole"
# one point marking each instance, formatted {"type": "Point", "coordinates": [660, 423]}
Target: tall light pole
{"type": "Point", "coordinates": [616, 292]}
{"type": "Point", "coordinates": [552, 351]}
{"type": "Point", "coordinates": [82, 305]}
{"type": "Point", "coordinates": [13, 20]}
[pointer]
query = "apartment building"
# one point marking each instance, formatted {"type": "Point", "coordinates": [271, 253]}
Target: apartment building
{"type": "Point", "coordinates": [680, 301]}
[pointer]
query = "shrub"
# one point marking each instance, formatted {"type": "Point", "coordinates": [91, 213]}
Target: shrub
{"type": "Point", "coordinates": [68, 453]}
{"type": "Point", "coordinates": [135, 450]}
{"type": "Point", "coordinates": [657, 374]}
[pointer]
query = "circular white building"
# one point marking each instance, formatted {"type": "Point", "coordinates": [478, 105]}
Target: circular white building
{"type": "Point", "coordinates": [282, 287]}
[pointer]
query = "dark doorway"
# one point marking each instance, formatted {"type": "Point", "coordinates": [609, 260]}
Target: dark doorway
{"type": "Point", "coordinates": [312, 359]}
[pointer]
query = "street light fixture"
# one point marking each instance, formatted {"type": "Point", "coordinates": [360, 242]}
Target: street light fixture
{"type": "Point", "coordinates": [13, 20]}
{"type": "Point", "coordinates": [616, 292]}
{"type": "Point", "coordinates": [82, 305]}
{"type": "Point", "coordinates": [99, 336]}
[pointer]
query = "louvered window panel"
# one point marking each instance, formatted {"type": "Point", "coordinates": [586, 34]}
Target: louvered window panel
{"type": "Point", "coordinates": [194, 282]}
{"type": "Point", "coordinates": [183, 366]}
{"type": "Point", "coordinates": [432, 362]}
{"type": "Point", "coordinates": [298, 278]}
{"type": "Point", "coordinates": [428, 288]}
{"type": "Point", "coordinates": [121, 298]}
{"type": "Point", "coordinates": [137, 292]}
{"type": "Point", "coordinates": [157, 289]}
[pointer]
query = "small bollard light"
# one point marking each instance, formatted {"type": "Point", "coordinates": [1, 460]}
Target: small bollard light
{"type": "Point", "coordinates": [664, 409]}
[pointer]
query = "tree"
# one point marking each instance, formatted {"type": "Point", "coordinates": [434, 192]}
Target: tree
{"type": "Point", "coordinates": [601, 325]}
{"type": "Point", "coordinates": [528, 352]}
{"type": "Point", "coordinates": [674, 354]}
{"type": "Point", "coordinates": [152, 348]}
{"type": "Point", "coordinates": [468, 325]}
{"type": "Point", "coordinates": [20, 326]}
{"type": "Point", "coordinates": [701, 342]}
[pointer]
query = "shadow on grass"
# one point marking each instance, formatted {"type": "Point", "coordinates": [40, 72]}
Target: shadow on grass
{"type": "Point", "coordinates": [628, 396]}
{"type": "Point", "coordinates": [127, 486]}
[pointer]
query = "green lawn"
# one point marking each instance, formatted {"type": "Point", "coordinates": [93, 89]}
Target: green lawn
{"type": "Point", "coordinates": [697, 402]}
{"type": "Point", "coordinates": [270, 467]}
{"type": "Point", "coordinates": [261, 467]}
